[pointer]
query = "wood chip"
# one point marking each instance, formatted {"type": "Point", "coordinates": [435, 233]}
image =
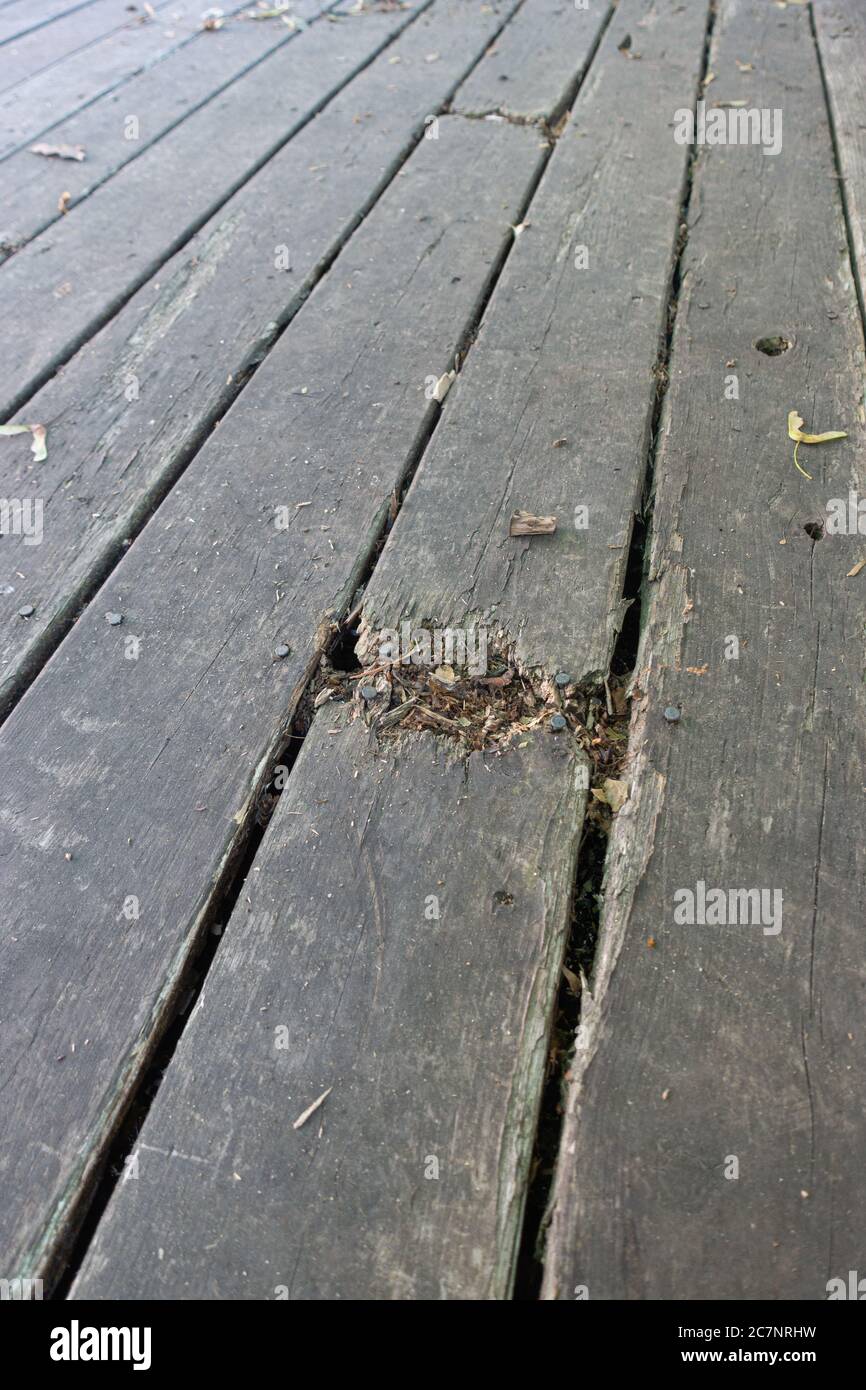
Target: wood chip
{"type": "Point", "coordinates": [443, 386]}
{"type": "Point", "coordinates": [526, 524]}
{"type": "Point", "coordinates": [856, 570]}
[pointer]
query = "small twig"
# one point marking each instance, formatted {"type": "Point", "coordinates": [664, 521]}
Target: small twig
{"type": "Point", "coordinates": [311, 1109]}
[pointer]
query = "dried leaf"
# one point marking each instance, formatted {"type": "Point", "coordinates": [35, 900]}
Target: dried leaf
{"type": "Point", "coordinates": [63, 202]}
{"type": "Point", "coordinates": [796, 432]}
{"type": "Point", "coordinates": [60, 151]}
{"type": "Point", "coordinates": [526, 524]}
{"type": "Point", "coordinates": [38, 446]}
{"type": "Point", "coordinates": [445, 675]}
{"type": "Point", "coordinates": [572, 980]}
{"type": "Point", "coordinates": [615, 793]}
{"type": "Point", "coordinates": [856, 570]}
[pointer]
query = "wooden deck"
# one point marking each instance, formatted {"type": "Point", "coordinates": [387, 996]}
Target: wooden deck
{"type": "Point", "coordinates": [533, 971]}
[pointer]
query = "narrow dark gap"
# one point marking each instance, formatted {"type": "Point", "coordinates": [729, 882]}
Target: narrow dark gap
{"type": "Point", "coordinates": [123, 1146]}
{"type": "Point", "coordinates": [840, 175]}
{"type": "Point", "coordinates": [337, 658]}
{"type": "Point", "coordinates": [588, 889]}
{"type": "Point", "coordinates": [116, 305]}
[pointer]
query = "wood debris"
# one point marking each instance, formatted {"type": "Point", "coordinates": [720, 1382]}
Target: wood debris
{"type": "Point", "coordinates": [76, 152]}
{"type": "Point", "coordinates": [311, 1109]}
{"type": "Point", "coordinates": [527, 524]}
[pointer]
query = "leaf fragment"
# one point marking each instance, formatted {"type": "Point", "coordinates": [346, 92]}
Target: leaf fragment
{"type": "Point", "coordinates": [38, 447]}
{"type": "Point", "coordinates": [796, 432]}
{"type": "Point", "coordinates": [76, 152]}
{"type": "Point", "coordinates": [615, 793]}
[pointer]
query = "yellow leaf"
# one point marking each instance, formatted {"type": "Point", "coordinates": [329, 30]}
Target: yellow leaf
{"type": "Point", "coordinates": [796, 432]}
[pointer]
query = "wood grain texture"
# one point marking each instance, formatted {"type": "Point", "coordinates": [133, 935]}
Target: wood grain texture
{"type": "Point", "coordinates": [534, 66]}
{"type": "Point", "coordinates": [187, 338]}
{"type": "Point", "coordinates": [147, 771]}
{"type": "Point", "coordinates": [840, 28]}
{"type": "Point", "coordinates": [432, 1033]}
{"type": "Point", "coordinates": [565, 357]}
{"type": "Point", "coordinates": [109, 245]}
{"type": "Point", "coordinates": [21, 16]}
{"type": "Point", "coordinates": [160, 97]}
{"type": "Point", "coordinates": [39, 50]}
{"type": "Point", "coordinates": [723, 1041]}
{"type": "Point", "coordinates": [60, 89]}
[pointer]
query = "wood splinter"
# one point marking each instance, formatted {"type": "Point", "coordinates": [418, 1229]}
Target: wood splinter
{"type": "Point", "coordinates": [525, 524]}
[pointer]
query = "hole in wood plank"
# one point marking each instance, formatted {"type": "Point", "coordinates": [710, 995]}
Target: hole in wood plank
{"type": "Point", "coordinates": [815, 529]}
{"type": "Point", "coordinates": [774, 346]}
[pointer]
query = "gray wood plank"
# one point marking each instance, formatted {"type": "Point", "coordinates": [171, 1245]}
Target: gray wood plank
{"type": "Point", "coordinates": [840, 28]}
{"type": "Point", "coordinates": [39, 49]}
{"type": "Point", "coordinates": [533, 68]}
{"type": "Point", "coordinates": [146, 771]}
{"type": "Point", "coordinates": [112, 458]}
{"type": "Point", "coordinates": [60, 89]}
{"type": "Point", "coordinates": [104, 249]}
{"type": "Point", "coordinates": [565, 357]}
{"type": "Point", "coordinates": [432, 1034]}
{"type": "Point", "coordinates": [732, 1042]}
{"type": "Point", "coordinates": [21, 16]}
{"type": "Point", "coordinates": [160, 98]}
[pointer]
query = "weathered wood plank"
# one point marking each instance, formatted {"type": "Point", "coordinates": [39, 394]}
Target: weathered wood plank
{"type": "Point", "coordinates": [840, 28]}
{"type": "Point", "coordinates": [409, 1182]}
{"type": "Point", "coordinates": [109, 245]}
{"type": "Point", "coordinates": [739, 1042]}
{"type": "Point", "coordinates": [111, 458]}
{"type": "Point", "coordinates": [393, 1244]}
{"type": "Point", "coordinates": [533, 68]}
{"type": "Point", "coordinates": [554, 407]}
{"type": "Point", "coordinates": [146, 771]}
{"type": "Point", "coordinates": [21, 16]}
{"type": "Point", "coordinates": [33, 106]}
{"type": "Point", "coordinates": [38, 49]}
{"type": "Point", "coordinates": [159, 98]}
